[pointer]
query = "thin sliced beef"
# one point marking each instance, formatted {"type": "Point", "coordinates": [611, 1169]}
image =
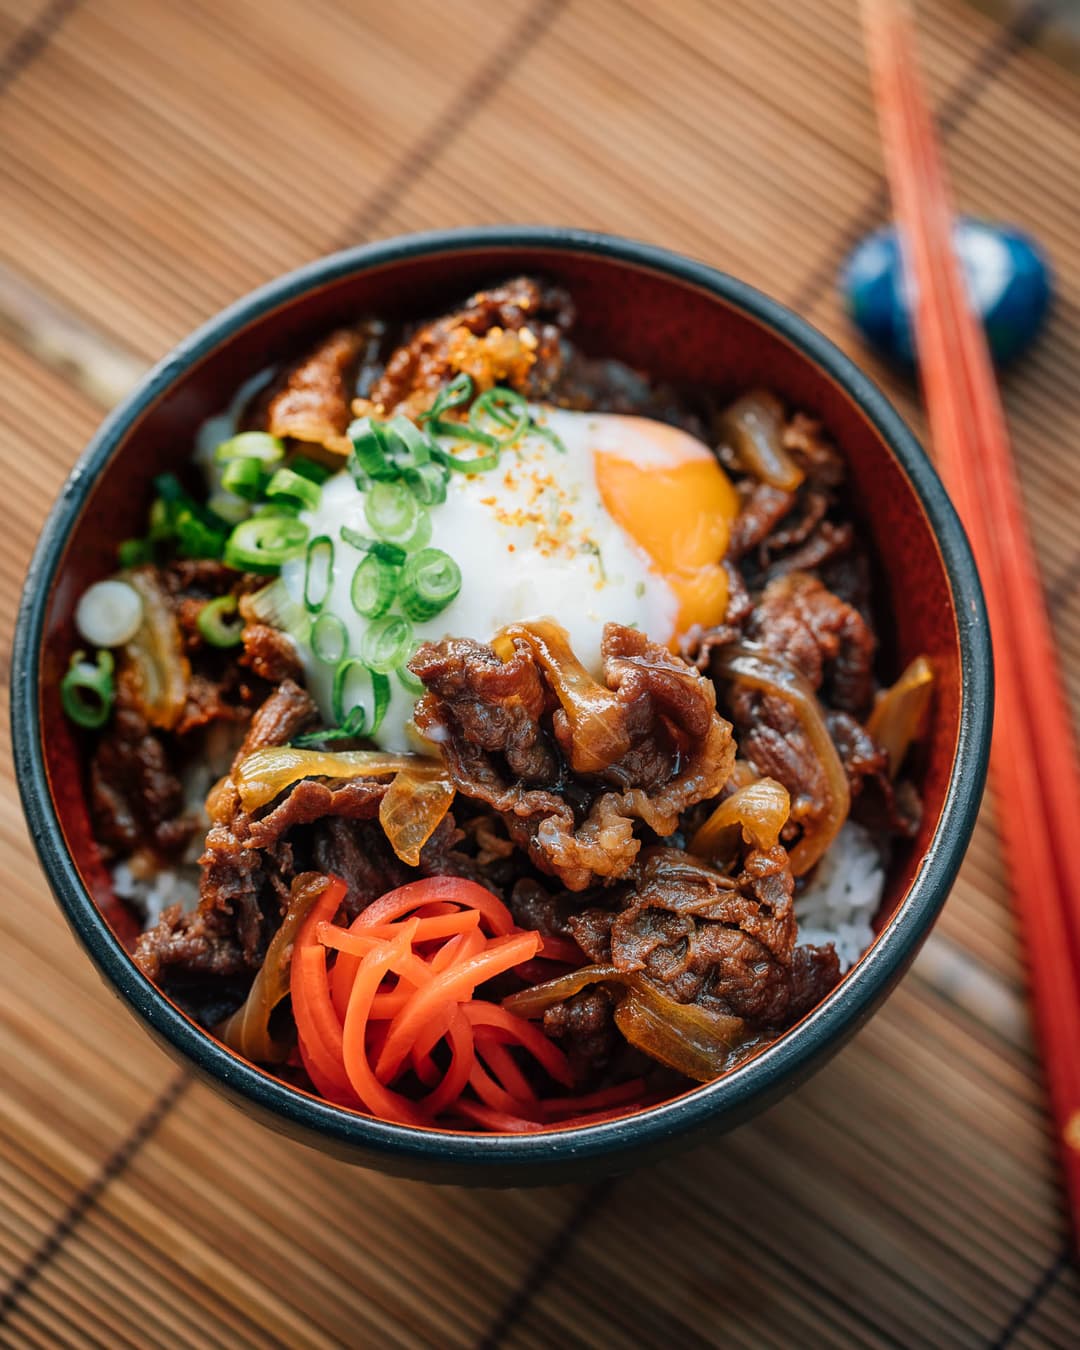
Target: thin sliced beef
{"type": "Point", "coordinates": [136, 796]}
{"type": "Point", "coordinates": [819, 635]}
{"type": "Point", "coordinates": [512, 733]}
{"type": "Point", "coordinates": [311, 400]}
{"type": "Point", "coordinates": [725, 943]}
{"type": "Point", "coordinates": [317, 799]}
{"type": "Point", "coordinates": [763, 508]}
{"type": "Point", "coordinates": [250, 859]}
{"type": "Point", "coordinates": [226, 934]}
{"type": "Point", "coordinates": [511, 334]}
{"type": "Point", "coordinates": [584, 1024]}
{"type": "Point", "coordinates": [605, 386]}
{"type": "Point", "coordinates": [815, 454]}
{"type": "Point", "coordinates": [271, 654]}
{"type": "Point", "coordinates": [358, 853]}
{"type": "Point", "coordinates": [875, 799]}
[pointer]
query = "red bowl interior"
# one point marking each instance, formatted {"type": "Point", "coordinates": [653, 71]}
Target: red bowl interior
{"type": "Point", "coordinates": [663, 325]}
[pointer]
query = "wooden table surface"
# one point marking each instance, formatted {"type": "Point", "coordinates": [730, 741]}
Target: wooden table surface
{"type": "Point", "coordinates": [159, 158]}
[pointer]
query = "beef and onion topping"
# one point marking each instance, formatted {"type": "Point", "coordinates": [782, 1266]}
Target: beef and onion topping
{"type": "Point", "coordinates": [488, 736]}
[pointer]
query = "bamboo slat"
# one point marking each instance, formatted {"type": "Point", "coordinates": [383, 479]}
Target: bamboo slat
{"type": "Point", "coordinates": [157, 159]}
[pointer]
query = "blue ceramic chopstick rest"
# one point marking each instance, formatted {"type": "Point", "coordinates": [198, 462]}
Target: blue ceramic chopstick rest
{"type": "Point", "coordinates": [1008, 278]}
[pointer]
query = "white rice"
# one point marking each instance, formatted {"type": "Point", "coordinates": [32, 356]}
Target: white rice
{"type": "Point", "coordinates": [151, 895]}
{"type": "Point", "coordinates": [844, 893]}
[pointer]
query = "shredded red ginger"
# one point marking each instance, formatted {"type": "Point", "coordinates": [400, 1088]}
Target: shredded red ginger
{"type": "Point", "coordinates": [390, 998]}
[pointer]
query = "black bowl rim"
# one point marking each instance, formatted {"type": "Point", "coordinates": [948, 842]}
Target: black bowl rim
{"type": "Point", "coordinates": [791, 1057]}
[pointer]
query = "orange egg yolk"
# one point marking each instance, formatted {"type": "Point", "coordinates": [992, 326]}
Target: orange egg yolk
{"type": "Point", "coordinates": [677, 507]}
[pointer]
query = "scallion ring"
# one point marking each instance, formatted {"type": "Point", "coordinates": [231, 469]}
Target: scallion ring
{"type": "Point", "coordinates": [506, 408]}
{"type": "Point", "coordinates": [87, 691]}
{"type": "Point", "coordinates": [351, 729]}
{"type": "Point", "coordinates": [426, 482]}
{"type": "Point", "coordinates": [453, 395]}
{"type": "Point", "coordinates": [369, 449]}
{"type": "Point", "coordinates": [430, 580]}
{"type": "Point", "coordinates": [231, 509]}
{"type": "Point", "coordinates": [214, 622]}
{"type": "Point", "coordinates": [359, 689]}
{"type": "Point", "coordinates": [134, 552]}
{"type": "Point", "coordinates": [263, 543]}
{"type": "Point", "coordinates": [374, 585]}
{"type": "Point", "coordinates": [414, 685]}
{"type": "Point", "coordinates": [276, 509]}
{"type": "Point", "coordinates": [392, 512]}
{"type": "Point", "coordinates": [391, 553]}
{"type": "Point", "coordinates": [109, 613]}
{"type": "Point", "coordinates": [257, 445]}
{"type": "Point", "coordinates": [308, 468]}
{"type": "Point", "coordinates": [294, 486]}
{"type": "Point", "coordinates": [552, 437]}
{"type": "Point", "coordinates": [244, 477]}
{"type": "Point", "coordinates": [421, 536]}
{"type": "Point", "coordinates": [329, 639]}
{"type": "Point", "coordinates": [318, 573]}
{"type": "Point", "coordinates": [405, 443]}
{"type": "Point", "coordinates": [386, 644]}
{"type": "Point", "coordinates": [474, 463]}
{"type": "Point", "coordinates": [197, 537]}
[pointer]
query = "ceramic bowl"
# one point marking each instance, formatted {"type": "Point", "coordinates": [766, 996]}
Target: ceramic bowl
{"type": "Point", "coordinates": [680, 321]}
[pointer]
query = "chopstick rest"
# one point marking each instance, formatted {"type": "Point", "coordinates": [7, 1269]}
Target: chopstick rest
{"type": "Point", "coordinates": [1008, 278]}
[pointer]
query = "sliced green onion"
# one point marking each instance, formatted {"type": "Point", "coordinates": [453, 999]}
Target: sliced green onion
{"type": "Point", "coordinates": [229, 508]}
{"type": "Point", "coordinates": [374, 586]}
{"type": "Point", "coordinates": [169, 488]}
{"type": "Point", "coordinates": [475, 463]}
{"type": "Point", "coordinates": [213, 622]}
{"type": "Point", "coordinates": [329, 639]}
{"type": "Point", "coordinates": [429, 582]}
{"type": "Point", "coordinates": [351, 729]}
{"type": "Point", "coordinates": [453, 395]}
{"type": "Point", "coordinates": [392, 511]}
{"type": "Point", "coordinates": [257, 445]}
{"type": "Point", "coordinates": [244, 477]}
{"type": "Point", "coordinates": [161, 527]}
{"type": "Point", "coordinates": [177, 516]}
{"type": "Point", "coordinates": [307, 468]}
{"type": "Point", "coordinates": [281, 507]}
{"type": "Point", "coordinates": [415, 686]}
{"type": "Point", "coordinates": [390, 553]}
{"type": "Point", "coordinates": [87, 691]}
{"type": "Point", "coordinates": [319, 572]}
{"type": "Point", "coordinates": [386, 644]}
{"type": "Point", "coordinates": [421, 536]}
{"type": "Point", "coordinates": [109, 613]}
{"type": "Point", "coordinates": [426, 482]}
{"type": "Point", "coordinates": [295, 487]}
{"type": "Point", "coordinates": [506, 408]}
{"type": "Point", "coordinates": [369, 449]}
{"type": "Point", "coordinates": [406, 445]}
{"type": "Point", "coordinates": [552, 437]}
{"type": "Point", "coordinates": [196, 538]}
{"type": "Point", "coordinates": [263, 543]}
{"type": "Point", "coordinates": [360, 698]}
{"type": "Point", "coordinates": [134, 552]}
{"type": "Point", "coordinates": [273, 605]}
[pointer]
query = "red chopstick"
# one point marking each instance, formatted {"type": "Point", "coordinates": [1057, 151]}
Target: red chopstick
{"type": "Point", "coordinates": [1034, 762]}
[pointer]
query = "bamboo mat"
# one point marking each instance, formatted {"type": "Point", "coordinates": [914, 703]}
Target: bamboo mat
{"type": "Point", "coordinates": [159, 158]}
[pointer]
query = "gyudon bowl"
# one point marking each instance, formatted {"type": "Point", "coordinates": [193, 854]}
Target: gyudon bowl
{"type": "Point", "coordinates": [625, 584]}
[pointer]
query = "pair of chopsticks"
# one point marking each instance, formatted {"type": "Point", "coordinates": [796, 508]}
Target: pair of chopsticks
{"type": "Point", "coordinates": [1033, 761]}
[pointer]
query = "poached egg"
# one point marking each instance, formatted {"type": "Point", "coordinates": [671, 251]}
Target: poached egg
{"type": "Point", "coordinates": [622, 519]}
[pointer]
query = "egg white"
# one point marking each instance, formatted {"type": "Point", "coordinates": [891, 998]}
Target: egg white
{"type": "Point", "coordinates": [533, 540]}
